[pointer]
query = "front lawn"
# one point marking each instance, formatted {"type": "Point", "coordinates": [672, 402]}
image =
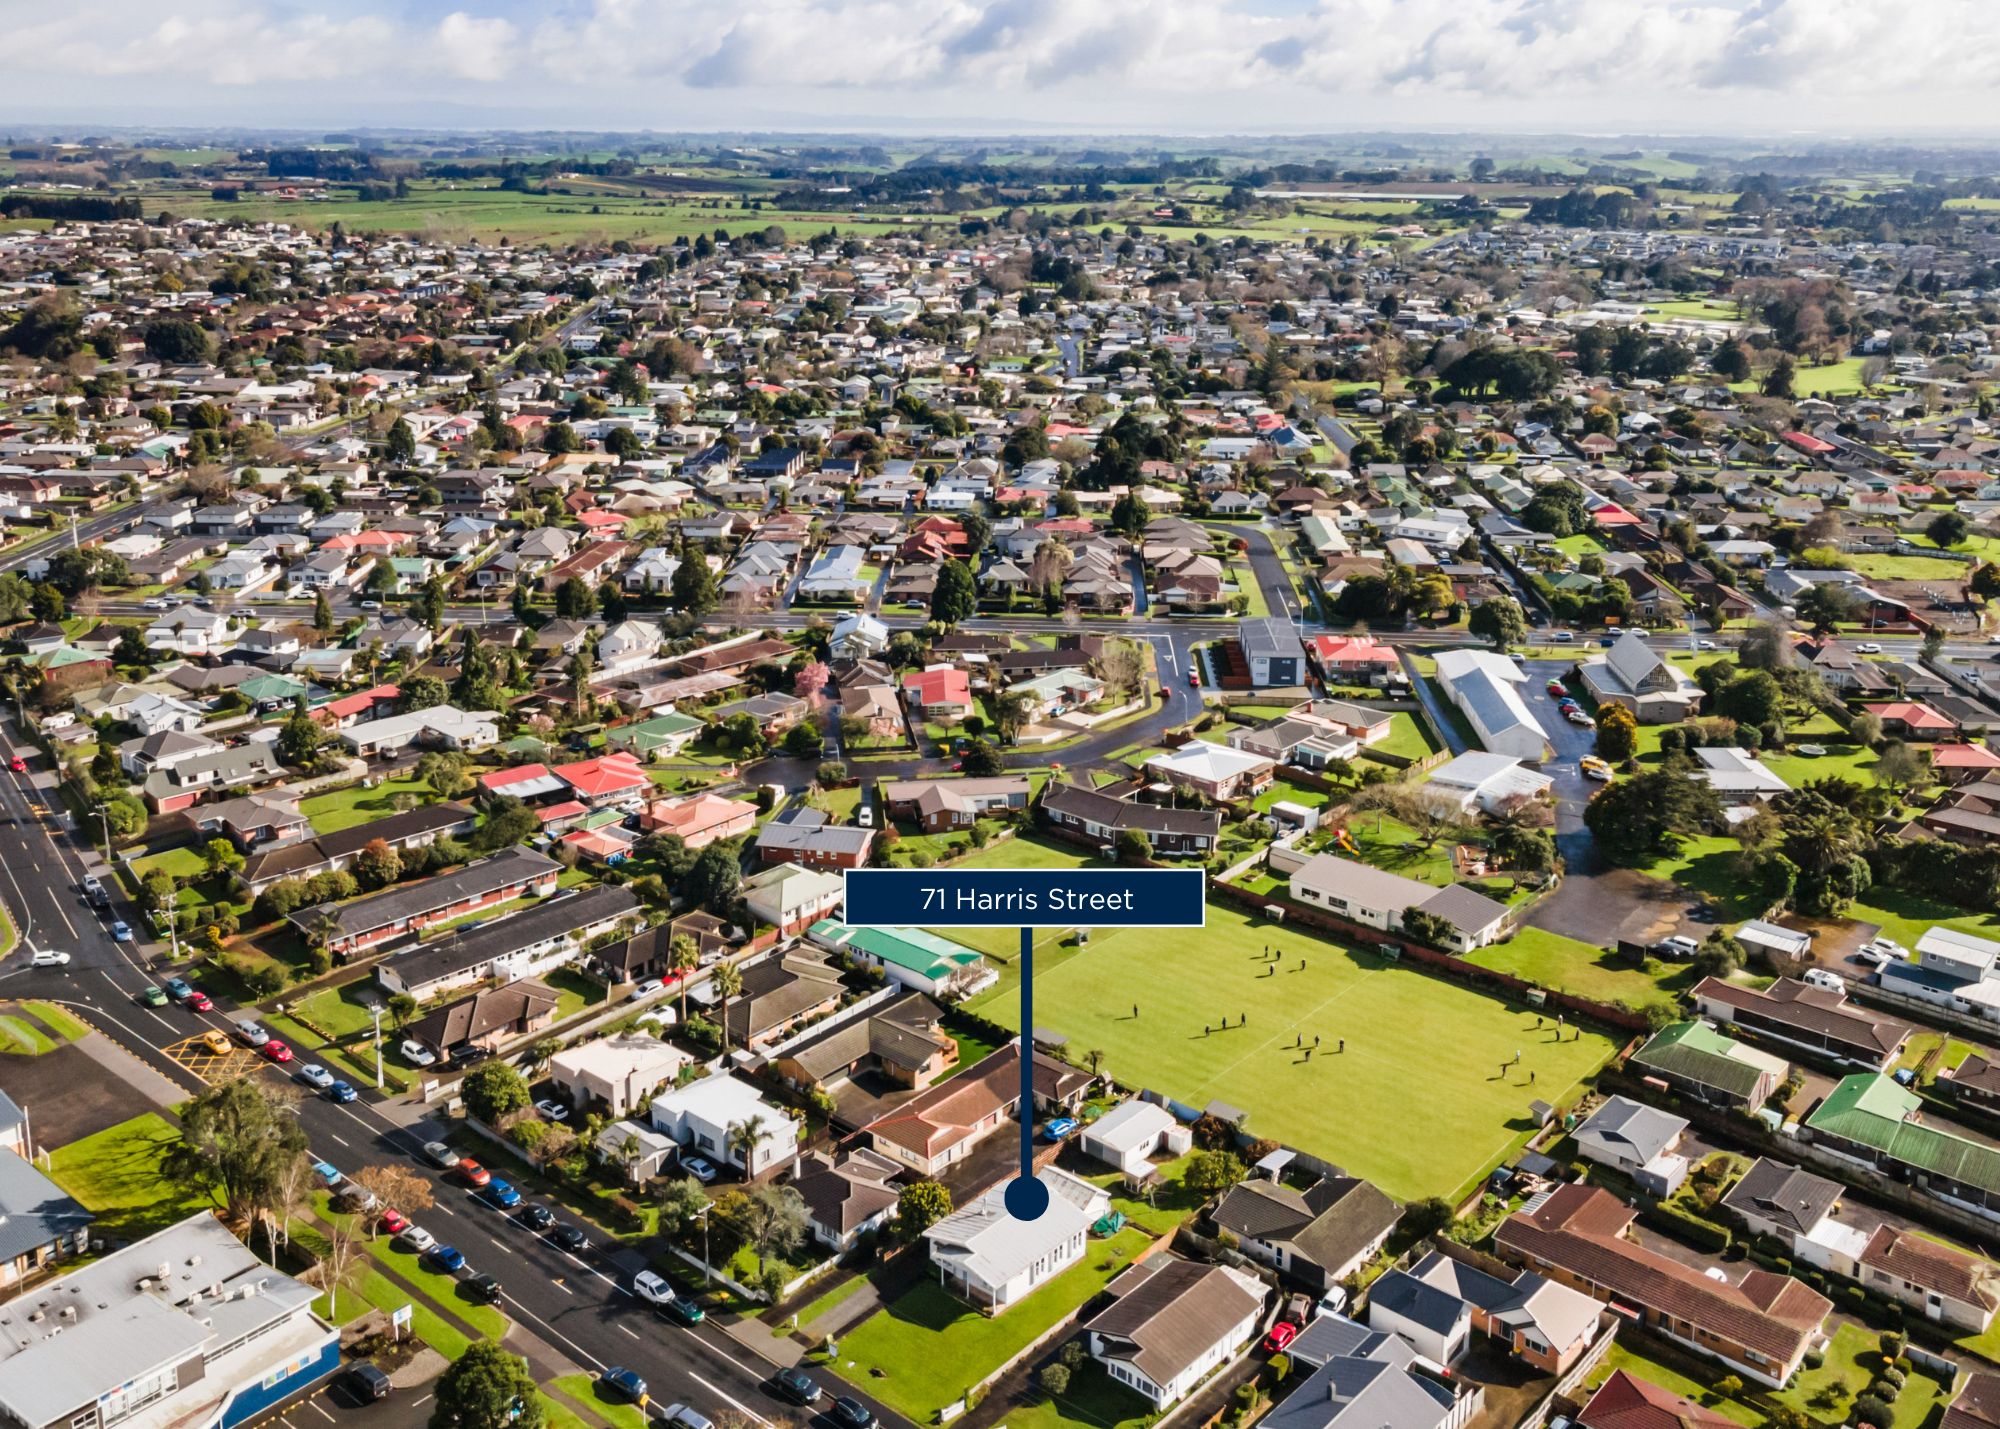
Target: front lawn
{"type": "Point", "coordinates": [583, 1388]}
{"type": "Point", "coordinates": [344, 808]}
{"type": "Point", "coordinates": [931, 1347]}
{"type": "Point", "coordinates": [1094, 1400]}
{"type": "Point", "coordinates": [115, 1175]}
{"type": "Point", "coordinates": [1566, 965]}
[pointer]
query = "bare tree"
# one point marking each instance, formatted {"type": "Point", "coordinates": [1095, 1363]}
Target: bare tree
{"type": "Point", "coordinates": [397, 1186]}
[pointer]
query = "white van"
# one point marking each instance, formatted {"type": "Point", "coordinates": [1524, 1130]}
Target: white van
{"type": "Point", "coordinates": [1821, 977]}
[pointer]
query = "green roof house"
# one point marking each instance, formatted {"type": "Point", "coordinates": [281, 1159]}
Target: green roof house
{"type": "Point", "coordinates": [1870, 1119]}
{"type": "Point", "coordinates": [1697, 1060]}
{"type": "Point", "coordinates": [910, 956]}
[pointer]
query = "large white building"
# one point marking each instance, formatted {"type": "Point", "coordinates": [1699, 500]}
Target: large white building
{"type": "Point", "coordinates": [702, 1115]}
{"type": "Point", "coordinates": [1486, 689]}
{"type": "Point", "coordinates": [986, 1256]}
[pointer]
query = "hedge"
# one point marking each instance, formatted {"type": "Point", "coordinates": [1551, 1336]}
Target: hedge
{"type": "Point", "coordinates": [1703, 1234]}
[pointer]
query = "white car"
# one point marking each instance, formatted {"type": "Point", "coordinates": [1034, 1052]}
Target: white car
{"type": "Point", "coordinates": [250, 1034]}
{"type": "Point", "coordinates": [418, 1239]}
{"type": "Point", "coordinates": [157, 602]}
{"type": "Point", "coordinates": [653, 1289]}
{"type": "Point", "coordinates": [702, 1171]}
{"type": "Point", "coordinates": [1710, 645]}
{"type": "Point", "coordinates": [49, 958]}
{"type": "Point", "coordinates": [646, 989]}
{"type": "Point", "coordinates": [552, 1110]}
{"type": "Point", "coordinates": [417, 1054]}
{"type": "Point", "coordinates": [316, 1077]}
{"type": "Point", "coordinates": [1868, 647]}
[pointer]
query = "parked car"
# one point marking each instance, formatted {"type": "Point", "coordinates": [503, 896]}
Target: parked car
{"type": "Point", "coordinates": [364, 1381]}
{"type": "Point", "coordinates": [552, 1110]}
{"type": "Point", "coordinates": [217, 1043]}
{"type": "Point", "coordinates": [1282, 1334]}
{"type": "Point", "coordinates": [536, 1218]}
{"type": "Point", "coordinates": [1555, 688]}
{"type": "Point", "coordinates": [570, 1238]}
{"type": "Point", "coordinates": [624, 1384]}
{"type": "Point", "coordinates": [648, 1285]}
{"type": "Point", "coordinates": [1677, 946]}
{"type": "Point", "coordinates": [250, 1034]}
{"type": "Point", "coordinates": [471, 1172]}
{"type": "Point", "coordinates": [342, 1091]}
{"type": "Point", "coordinates": [315, 1076]}
{"type": "Point", "coordinates": [851, 1414]}
{"type": "Point", "coordinates": [200, 1003]}
{"type": "Point", "coordinates": [440, 1155]}
{"type": "Point", "coordinates": [157, 602]}
{"type": "Point", "coordinates": [681, 1310]}
{"type": "Point", "coordinates": [702, 1170]}
{"type": "Point", "coordinates": [795, 1384]}
{"type": "Point", "coordinates": [679, 1416]}
{"type": "Point", "coordinates": [499, 1194]}
{"type": "Point", "coordinates": [394, 1222]}
{"type": "Point", "coordinates": [448, 1258]}
{"type": "Point", "coordinates": [1710, 645]}
{"type": "Point", "coordinates": [417, 1239]}
{"type": "Point", "coordinates": [121, 931]}
{"type": "Point", "coordinates": [1561, 637]}
{"type": "Point", "coordinates": [1061, 1127]}
{"type": "Point", "coordinates": [646, 988]}
{"type": "Point", "coordinates": [277, 1051]}
{"type": "Point", "coordinates": [484, 1288]}
{"type": "Point", "coordinates": [179, 989]}
{"type": "Point", "coordinates": [417, 1054]}
{"type": "Point", "coordinates": [153, 996]}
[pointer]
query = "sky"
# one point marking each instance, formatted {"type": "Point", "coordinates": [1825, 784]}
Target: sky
{"type": "Point", "coordinates": [1838, 67]}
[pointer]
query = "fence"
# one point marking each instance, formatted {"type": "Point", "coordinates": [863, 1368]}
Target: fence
{"type": "Point", "coordinates": [1562, 1391]}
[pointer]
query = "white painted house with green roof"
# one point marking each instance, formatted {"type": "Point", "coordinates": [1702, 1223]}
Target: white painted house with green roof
{"type": "Point", "coordinates": [911, 956]}
{"type": "Point", "coordinates": [791, 897]}
{"type": "Point", "coordinates": [666, 734]}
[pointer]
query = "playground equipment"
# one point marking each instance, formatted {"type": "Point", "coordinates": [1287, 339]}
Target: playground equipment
{"type": "Point", "coordinates": [1344, 843]}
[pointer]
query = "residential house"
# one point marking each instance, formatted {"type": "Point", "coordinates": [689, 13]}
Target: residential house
{"type": "Point", "coordinates": [846, 1198]}
{"type": "Point", "coordinates": [486, 1020]}
{"type": "Point", "coordinates": [792, 898]}
{"type": "Point", "coordinates": [901, 1042]}
{"type": "Point", "coordinates": [729, 1122]}
{"type": "Point", "coordinates": [988, 1257]}
{"type": "Point", "coordinates": [1797, 1014]}
{"type": "Point", "coordinates": [942, 805]}
{"type": "Point", "coordinates": [413, 828]}
{"type": "Point", "coordinates": [1217, 772]}
{"type": "Point", "coordinates": [1317, 1237]}
{"type": "Point", "coordinates": [1636, 1140]}
{"type": "Point", "coordinates": [1947, 1286]}
{"type": "Point", "coordinates": [1869, 1119]}
{"type": "Point", "coordinates": [406, 909]}
{"type": "Point", "coordinates": [1273, 651]}
{"type": "Point", "coordinates": [1170, 1323]}
{"type": "Point", "coordinates": [41, 1225]}
{"type": "Point", "coordinates": [1696, 1060]}
{"type": "Point", "coordinates": [941, 1126]}
{"type": "Point", "coordinates": [1624, 1401]}
{"type": "Point", "coordinates": [916, 958]}
{"type": "Point", "coordinates": [699, 820]}
{"type": "Point", "coordinates": [1376, 898]}
{"type": "Point", "coordinates": [779, 994]}
{"type": "Point", "coordinates": [621, 1072]}
{"type": "Point", "coordinates": [1099, 818]}
{"type": "Point", "coordinates": [529, 943]}
{"type": "Point", "coordinates": [1485, 687]}
{"type": "Point", "coordinates": [1490, 783]}
{"type": "Point", "coordinates": [807, 837]}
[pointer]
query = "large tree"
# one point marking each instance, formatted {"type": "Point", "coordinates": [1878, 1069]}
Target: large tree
{"type": "Point", "coordinates": [1499, 620]}
{"type": "Point", "coordinates": [695, 591]}
{"type": "Point", "coordinates": [493, 1090]}
{"type": "Point", "coordinates": [956, 596]}
{"type": "Point", "coordinates": [486, 1387]}
{"type": "Point", "coordinates": [237, 1140]}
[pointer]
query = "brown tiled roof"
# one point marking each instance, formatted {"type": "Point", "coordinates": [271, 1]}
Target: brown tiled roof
{"type": "Point", "coordinates": [482, 1013]}
{"type": "Point", "coordinates": [947, 1114]}
{"type": "Point", "coordinates": [1623, 1402]}
{"type": "Point", "coordinates": [1580, 1229]}
{"type": "Point", "coordinates": [1968, 1279]}
{"type": "Point", "coordinates": [1819, 1011]}
{"type": "Point", "coordinates": [1169, 1313]}
{"type": "Point", "coordinates": [1977, 1405]}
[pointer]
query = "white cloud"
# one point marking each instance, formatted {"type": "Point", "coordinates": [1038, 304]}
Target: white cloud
{"type": "Point", "coordinates": [1858, 64]}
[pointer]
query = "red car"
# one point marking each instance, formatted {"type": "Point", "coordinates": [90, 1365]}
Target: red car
{"type": "Point", "coordinates": [471, 1172]}
{"type": "Point", "coordinates": [1282, 1334]}
{"type": "Point", "coordinates": [200, 1002]}
{"type": "Point", "coordinates": [394, 1222]}
{"type": "Point", "coordinates": [18, 764]}
{"type": "Point", "coordinates": [277, 1051]}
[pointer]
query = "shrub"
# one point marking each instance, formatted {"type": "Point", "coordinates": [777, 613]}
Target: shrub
{"type": "Point", "coordinates": [1055, 1380]}
{"type": "Point", "coordinates": [1892, 1344]}
{"type": "Point", "coordinates": [1702, 1234]}
{"type": "Point", "coordinates": [1073, 1354]}
{"type": "Point", "coordinates": [1872, 1408]}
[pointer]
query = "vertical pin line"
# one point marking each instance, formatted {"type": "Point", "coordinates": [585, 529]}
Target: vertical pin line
{"type": "Point", "coordinates": [1027, 1053]}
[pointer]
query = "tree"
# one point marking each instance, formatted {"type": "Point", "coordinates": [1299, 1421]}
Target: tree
{"type": "Point", "coordinates": [402, 1008]}
{"type": "Point", "coordinates": [1054, 1379]}
{"type": "Point", "coordinates": [1826, 604]}
{"type": "Point", "coordinates": [1129, 515]}
{"type": "Point", "coordinates": [1133, 847]}
{"type": "Point", "coordinates": [409, 1191]}
{"type": "Point", "coordinates": [378, 864]}
{"type": "Point", "coordinates": [1753, 697]}
{"type": "Point", "coordinates": [956, 596]}
{"type": "Point", "coordinates": [1766, 646]}
{"type": "Point", "coordinates": [1617, 733]}
{"type": "Point", "coordinates": [445, 771]}
{"type": "Point", "coordinates": [177, 340]}
{"type": "Point", "coordinates": [810, 680]}
{"type": "Point", "coordinates": [694, 586]}
{"type": "Point", "coordinates": [400, 445]}
{"type": "Point", "coordinates": [1779, 381]}
{"type": "Point", "coordinates": [300, 738]}
{"type": "Point", "coordinates": [683, 957]}
{"type": "Point", "coordinates": [1499, 620]}
{"type": "Point", "coordinates": [921, 1205]}
{"type": "Point", "coordinates": [237, 1140]}
{"type": "Point", "coordinates": [1902, 765]}
{"type": "Point", "coordinates": [982, 759]}
{"type": "Point", "coordinates": [493, 1090]}
{"type": "Point", "coordinates": [423, 692]}
{"type": "Point", "coordinates": [802, 741]}
{"type": "Point", "coordinates": [713, 878]}
{"type": "Point", "coordinates": [1429, 820]}
{"type": "Point", "coordinates": [770, 1218]}
{"type": "Point", "coordinates": [1948, 529]}
{"type": "Point", "coordinates": [221, 856]}
{"type": "Point", "coordinates": [682, 1203]}
{"type": "Point", "coordinates": [486, 1387]}
{"type": "Point", "coordinates": [574, 600]}
{"type": "Point", "coordinates": [1643, 817]}
{"type": "Point", "coordinates": [1210, 1173]}
{"type": "Point", "coordinates": [728, 981]}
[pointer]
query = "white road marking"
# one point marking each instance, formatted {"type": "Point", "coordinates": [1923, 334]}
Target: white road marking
{"type": "Point", "coordinates": [724, 1395]}
{"type": "Point", "coordinates": [630, 1331]}
{"type": "Point", "coordinates": [322, 1413]}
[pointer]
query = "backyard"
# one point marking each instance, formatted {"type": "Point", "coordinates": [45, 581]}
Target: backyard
{"type": "Point", "coordinates": [1409, 1037]}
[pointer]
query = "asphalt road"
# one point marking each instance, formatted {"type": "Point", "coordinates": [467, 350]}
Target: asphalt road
{"type": "Point", "coordinates": [564, 1306]}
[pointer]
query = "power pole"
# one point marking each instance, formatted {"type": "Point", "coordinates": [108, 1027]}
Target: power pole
{"type": "Point", "coordinates": [376, 1010]}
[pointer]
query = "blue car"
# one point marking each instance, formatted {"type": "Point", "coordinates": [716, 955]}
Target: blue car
{"type": "Point", "coordinates": [625, 1384]}
{"type": "Point", "coordinates": [1059, 1128]}
{"type": "Point", "coordinates": [341, 1092]}
{"type": "Point", "coordinates": [121, 932]}
{"type": "Point", "coordinates": [498, 1193]}
{"type": "Point", "coordinates": [178, 988]}
{"type": "Point", "coordinates": [448, 1258]}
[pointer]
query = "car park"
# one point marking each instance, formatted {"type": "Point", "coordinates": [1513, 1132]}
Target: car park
{"type": "Point", "coordinates": [315, 1076]}
{"type": "Point", "coordinates": [499, 1194]}
{"type": "Point", "coordinates": [250, 1034]}
{"type": "Point", "coordinates": [342, 1091]}
{"type": "Point", "coordinates": [537, 1218]}
{"type": "Point", "coordinates": [448, 1258]}
{"type": "Point", "coordinates": [552, 1110]}
{"type": "Point", "coordinates": [471, 1172]}
{"type": "Point", "coordinates": [795, 1384]}
{"type": "Point", "coordinates": [49, 958]}
{"type": "Point", "coordinates": [702, 1170]}
{"type": "Point", "coordinates": [484, 1288]}
{"type": "Point", "coordinates": [440, 1155]}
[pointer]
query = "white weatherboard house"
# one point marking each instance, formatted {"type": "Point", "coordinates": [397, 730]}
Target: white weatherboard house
{"type": "Point", "coordinates": [984, 1255]}
{"type": "Point", "coordinates": [701, 1115]}
{"type": "Point", "coordinates": [1172, 1322]}
{"type": "Point", "coordinates": [1130, 1135]}
{"type": "Point", "coordinates": [1485, 687]}
{"type": "Point", "coordinates": [1362, 893]}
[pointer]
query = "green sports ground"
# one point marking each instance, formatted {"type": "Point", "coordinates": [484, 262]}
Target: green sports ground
{"type": "Point", "coordinates": [1418, 1103]}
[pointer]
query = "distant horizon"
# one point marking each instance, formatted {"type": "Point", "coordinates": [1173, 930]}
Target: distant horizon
{"type": "Point", "coordinates": [1174, 68]}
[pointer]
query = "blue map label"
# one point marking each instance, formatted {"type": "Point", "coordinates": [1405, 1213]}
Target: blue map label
{"type": "Point", "coordinates": [1026, 898]}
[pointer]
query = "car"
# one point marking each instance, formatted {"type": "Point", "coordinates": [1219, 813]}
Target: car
{"type": "Point", "coordinates": [646, 989]}
{"type": "Point", "coordinates": [1678, 946]}
{"type": "Point", "coordinates": [153, 996]}
{"type": "Point", "coordinates": [277, 1051]}
{"type": "Point", "coordinates": [203, 601]}
{"type": "Point", "coordinates": [1579, 719]}
{"type": "Point", "coordinates": [649, 1285]}
{"type": "Point", "coordinates": [1905, 1076]}
{"type": "Point", "coordinates": [468, 1057]}
{"type": "Point", "coordinates": [364, 1381]}
{"type": "Point", "coordinates": [1709, 645]}
{"type": "Point", "coordinates": [1605, 642]}
{"type": "Point", "coordinates": [417, 1239]}
{"type": "Point", "coordinates": [1561, 637]}
{"type": "Point", "coordinates": [795, 1384]}
{"type": "Point", "coordinates": [958, 766]}
{"type": "Point", "coordinates": [393, 1222]}
{"type": "Point", "coordinates": [679, 1416]}
{"type": "Point", "coordinates": [49, 958]}
{"type": "Point", "coordinates": [440, 1155]}
{"type": "Point", "coordinates": [200, 1002]}
{"type": "Point", "coordinates": [484, 1288]}
{"type": "Point", "coordinates": [121, 932]}
{"type": "Point", "coordinates": [700, 1169]}
{"type": "Point", "coordinates": [94, 892]}
{"type": "Point", "coordinates": [1555, 688]}
{"type": "Point", "coordinates": [623, 1384]}
{"type": "Point", "coordinates": [371, 605]}
{"type": "Point", "coordinates": [1061, 1127]}
{"type": "Point", "coordinates": [18, 764]}
{"type": "Point", "coordinates": [342, 1091]}
{"type": "Point", "coordinates": [1868, 647]}
{"type": "Point", "coordinates": [1810, 751]}
{"type": "Point", "coordinates": [250, 1034]}
{"type": "Point", "coordinates": [1194, 679]}
{"type": "Point", "coordinates": [681, 1310]}
{"type": "Point", "coordinates": [156, 602]}
{"type": "Point", "coordinates": [315, 1076]}
{"type": "Point", "coordinates": [536, 1218]}
{"type": "Point", "coordinates": [1282, 1334]}
{"type": "Point", "coordinates": [179, 989]}
{"type": "Point", "coordinates": [851, 1413]}
{"type": "Point", "coordinates": [417, 1054]}
{"type": "Point", "coordinates": [1595, 769]}
{"type": "Point", "coordinates": [552, 1110]}
{"type": "Point", "coordinates": [571, 1239]}
{"type": "Point", "coordinates": [471, 1172]}
{"type": "Point", "coordinates": [1826, 979]}
{"type": "Point", "coordinates": [499, 1194]}
{"type": "Point", "coordinates": [217, 1043]}
{"type": "Point", "coordinates": [448, 1258]}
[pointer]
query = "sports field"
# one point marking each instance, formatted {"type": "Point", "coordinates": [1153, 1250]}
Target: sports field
{"type": "Point", "coordinates": [1418, 1103]}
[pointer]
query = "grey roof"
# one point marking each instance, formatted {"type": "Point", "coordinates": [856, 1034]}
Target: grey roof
{"type": "Point", "coordinates": [410, 900]}
{"type": "Point", "coordinates": [488, 941]}
{"type": "Point", "coordinates": [33, 1209]}
{"type": "Point", "coordinates": [1270, 637]}
{"type": "Point", "coordinates": [1465, 910]}
{"type": "Point", "coordinates": [809, 828]}
{"type": "Point", "coordinates": [1363, 1394]}
{"type": "Point", "coordinates": [1646, 1130]}
{"type": "Point", "coordinates": [1169, 1313]}
{"type": "Point", "coordinates": [1430, 1306]}
{"type": "Point", "coordinates": [1773, 1191]}
{"type": "Point", "coordinates": [1327, 1225]}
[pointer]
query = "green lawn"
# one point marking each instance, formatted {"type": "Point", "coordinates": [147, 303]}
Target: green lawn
{"type": "Point", "coordinates": [1907, 568]}
{"type": "Point", "coordinates": [1623, 1356]}
{"type": "Point", "coordinates": [934, 1347]}
{"type": "Point", "coordinates": [1566, 965]}
{"type": "Point", "coordinates": [1027, 851]}
{"type": "Point", "coordinates": [55, 1021]}
{"type": "Point", "coordinates": [844, 1291]}
{"type": "Point", "coordinates": [1283, 791]}
{"type": "Point", "coordinates": [1707, 865]}
{"type": "Point", "coordinates": [177, 862]}
{"type": "Point", "coordinates": [1388, 843]}
{"type": "Point", "coordinates": [1849, 1359]}
{"type": "Point", "coordinates": [344, 808]}
{"type": "Point", "coordinates": [1094, 1400]}
{"type": "Point", "coordinates": [20, 1037]}
{"type": "Point", "coordinates": [1906, 917]}
{"type": "Point", "coordinates": [116, 1176]}
{"type": "Point", "coordinates": [583, 1389]}
{"type": "Point", "coordinates": [1407, 737]}
{"type": "Point", "coordinates": [1419, 1048]}
{"type": "Point", "coordinates": [1841, 761]}
{"type": "Point", "coordinates": [342, 1012]}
